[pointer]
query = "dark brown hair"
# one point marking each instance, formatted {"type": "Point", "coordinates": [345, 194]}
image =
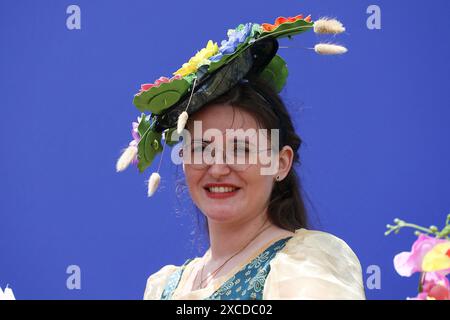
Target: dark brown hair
{"type": "Point", "coordinates": [286, 205]}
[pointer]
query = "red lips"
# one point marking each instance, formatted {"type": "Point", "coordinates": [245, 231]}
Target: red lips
{"type": "Point", "coordinates": [224, 185]}
{"type": "Point", "coordinates": [220, 195]}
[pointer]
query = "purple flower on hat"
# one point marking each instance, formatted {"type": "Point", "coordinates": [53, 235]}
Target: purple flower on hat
{"type": "Point", "coordinates": [134, 131]}
{"type": "Point", "coordinates": [136, 139]}
{"type": "Point", "coordinates": [235, 38]}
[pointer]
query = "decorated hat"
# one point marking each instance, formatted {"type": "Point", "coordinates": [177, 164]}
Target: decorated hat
{"type": "Point", "coordinates": [249, 53]}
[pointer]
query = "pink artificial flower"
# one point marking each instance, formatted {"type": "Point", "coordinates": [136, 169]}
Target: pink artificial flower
{"type": "Point", "coordinates": [435, 287]}
{"type": "Point", "coordinates": [148, 86]}
{"type": "Point", "coordinates": [420, 296]}
{"type": "Point", "coordinates": [407, 263]}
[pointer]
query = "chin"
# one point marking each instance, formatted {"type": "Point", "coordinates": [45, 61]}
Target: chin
{"type": "Point", "coordinates": [221, 214]}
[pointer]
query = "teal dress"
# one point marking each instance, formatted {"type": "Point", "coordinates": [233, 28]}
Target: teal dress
{"type": "Point", "coordinates": [246, 284]}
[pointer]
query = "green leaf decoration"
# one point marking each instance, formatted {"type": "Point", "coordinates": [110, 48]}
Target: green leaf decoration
{"type": "Point", "coordinates": [256, 30]}
{"type": "Point", "coordinates": [168, 135]}
{"type": "Point", "coordinates": [190, 78]}
{"type": "Point", "coordinates": [148, 147]}
{"type": "Point", "coordinates": [143, 126]}
{"type": "Point", "coordinates": [159, 98]}
{"type": "Point", "coordinates": [289, 28]}
{"type": "Point", "coordinates": [275, 73]}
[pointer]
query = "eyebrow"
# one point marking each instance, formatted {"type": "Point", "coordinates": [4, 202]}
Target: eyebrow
{"type": "Point", "coordinates": [235, 140]}
{"type": "Point", "coordinates": [201, 140]}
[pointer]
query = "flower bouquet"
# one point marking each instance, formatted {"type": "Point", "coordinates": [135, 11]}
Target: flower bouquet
{"type": "Point", "coordinates": [429, 255]}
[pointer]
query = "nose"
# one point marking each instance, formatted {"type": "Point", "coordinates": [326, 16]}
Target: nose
{"type": "Point", "coordinates": [218, 170]}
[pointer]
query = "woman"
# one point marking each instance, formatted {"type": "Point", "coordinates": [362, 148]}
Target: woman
{"type": "Point", "coordinates": [260, 244]}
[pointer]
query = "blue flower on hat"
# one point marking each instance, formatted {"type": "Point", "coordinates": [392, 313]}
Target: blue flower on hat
{"type": "Point", "coordinates": [235, 38]}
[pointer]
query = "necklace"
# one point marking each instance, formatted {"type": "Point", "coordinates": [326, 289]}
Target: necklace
{"type": "Point", "coordinates": [223, 264]}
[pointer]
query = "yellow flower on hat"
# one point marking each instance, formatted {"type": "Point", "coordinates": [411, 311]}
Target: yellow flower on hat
{"type": "Point", "coordinates": [200, 58]}
{"type": "Point", "coordinates": [438, 258]}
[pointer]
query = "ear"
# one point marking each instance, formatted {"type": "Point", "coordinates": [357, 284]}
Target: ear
{"type": "Point", "coordinates": [286, 158]}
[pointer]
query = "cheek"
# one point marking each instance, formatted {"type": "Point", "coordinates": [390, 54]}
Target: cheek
{"type": "Point", "coordinates": [257, 184]}
{"type": "Point", "coordinates": [193, 178]}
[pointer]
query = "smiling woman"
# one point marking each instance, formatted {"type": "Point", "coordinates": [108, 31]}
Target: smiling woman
{"type": "Point", "coordinates": [260, 247]}
{"type": "Point", "coordinates": [244, 109]}
{"type": "Point", "coordinates": [225, 103]}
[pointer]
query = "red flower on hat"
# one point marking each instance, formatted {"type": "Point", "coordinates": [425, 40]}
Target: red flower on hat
{"type": "Point", "coordinates": [148, 86]}
{"type": "Point", "coordinates": [267, 27]}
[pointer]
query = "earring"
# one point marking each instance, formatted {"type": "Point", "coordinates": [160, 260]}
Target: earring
{"type": "Point", "coordinates": [277, 178]}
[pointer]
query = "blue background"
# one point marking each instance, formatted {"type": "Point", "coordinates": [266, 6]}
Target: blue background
{"type": "Point", "coordinates": [374, 122]}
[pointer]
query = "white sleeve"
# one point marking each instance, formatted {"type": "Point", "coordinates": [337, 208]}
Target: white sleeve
{"type": "Point", "coordinates": [314, 265]}
{"type": "Point", "coordinates": [157, 281]}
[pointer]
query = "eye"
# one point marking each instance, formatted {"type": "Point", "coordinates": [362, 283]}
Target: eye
{"type": "Point", "coordinates": [198, 147]}
{"type": "Point", "coordinates": [241, 147]}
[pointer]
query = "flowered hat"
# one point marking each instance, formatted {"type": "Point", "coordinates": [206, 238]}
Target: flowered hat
{"type": "Point", "coordinates": [250, 52]}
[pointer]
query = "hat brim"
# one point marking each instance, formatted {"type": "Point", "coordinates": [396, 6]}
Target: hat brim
{"type": "Point", "coordinates": [247, 64]}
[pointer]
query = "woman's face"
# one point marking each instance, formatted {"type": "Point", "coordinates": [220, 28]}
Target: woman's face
{"type": "Point", "coordinates": [250, 189]}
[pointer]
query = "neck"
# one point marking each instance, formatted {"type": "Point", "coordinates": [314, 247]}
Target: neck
{"type": "Point", "coordinates": [228, 239]}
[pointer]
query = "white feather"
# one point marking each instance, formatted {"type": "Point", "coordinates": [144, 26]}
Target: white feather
{"type": "Point", "coordinates": [126, 158]}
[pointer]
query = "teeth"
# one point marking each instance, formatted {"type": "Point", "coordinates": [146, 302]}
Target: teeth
{"type": "Point", "coordinates": [221, 189]}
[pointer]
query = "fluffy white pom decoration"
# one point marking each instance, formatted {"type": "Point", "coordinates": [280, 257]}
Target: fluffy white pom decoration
{"type": "Point", "coordinates": [182, 120]}
{"type": "Point", "coordinates": [329, 49]}
{"type": "Point", "coordinates": [153, 183]}
{"type": "Point", "coordinates": [126, 158]}
{"type": "Point", "coordinates": [328, 26]}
